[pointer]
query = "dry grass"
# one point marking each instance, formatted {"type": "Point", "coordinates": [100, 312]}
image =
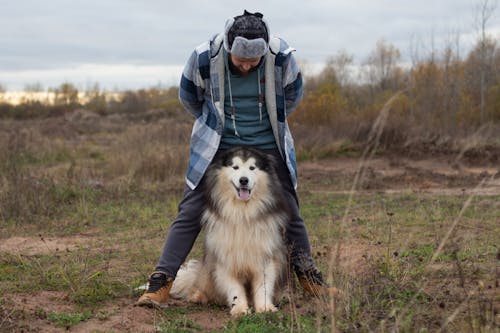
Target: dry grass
{"type": "Point", "coordinates": [405, 262]}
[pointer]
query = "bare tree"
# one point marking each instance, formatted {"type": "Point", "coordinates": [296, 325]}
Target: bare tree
{"type": "Point", "coordinates": [96, 98]}
{"type": "Point", "coordinates": [66, 94]}
{"type": "Point", "coordinates": [425, 81]}
{"type": "Point", "coordinates": [2, 92]}
{"type": "Point", "coordinates": [382, 64]}
{"type": "Point", "coordinates": [33, 87]}
{"type": "Point", "coordinates": [31, 91]}
{"type": "Point", "coordinates": [452, 77]}
{"type": "Point", "coordinates": [340, 64]}
{"type": "Point", "coordinates": [484, 12]}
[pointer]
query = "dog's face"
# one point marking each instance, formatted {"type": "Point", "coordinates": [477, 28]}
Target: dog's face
{"type": "Point", "coordinates": [243, 175]}
{"type": "Point", "coordinates": [240, 174]}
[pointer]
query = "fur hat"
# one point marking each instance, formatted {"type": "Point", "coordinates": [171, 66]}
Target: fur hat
{"type": "Point", "coordinates": [247, 35]}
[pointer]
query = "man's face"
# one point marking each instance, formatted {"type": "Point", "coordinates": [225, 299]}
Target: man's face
{"type": "Point", "coordinates": [244, 65]}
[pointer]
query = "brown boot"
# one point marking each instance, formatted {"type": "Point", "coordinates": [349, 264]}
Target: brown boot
{"type": "Point", "coordinates": [313, 285]}
{"type": "Point", "coordinates": [158, 291]}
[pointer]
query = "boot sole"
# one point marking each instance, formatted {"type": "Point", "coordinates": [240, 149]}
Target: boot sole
{"type": "Point", "coordinates": [149, 303]}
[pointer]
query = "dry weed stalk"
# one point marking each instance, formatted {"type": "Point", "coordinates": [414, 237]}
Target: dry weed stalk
{"type": "Point", "coordinates": [436, 254]}
{"type": "Point", "coordinates": [455, 313]}
{"type": "Point", "coordinates": [368, 153]}
{"type": "Point", "coordinates": [371, 147]}
{"type": "Point", "coordinates": [485, 131]}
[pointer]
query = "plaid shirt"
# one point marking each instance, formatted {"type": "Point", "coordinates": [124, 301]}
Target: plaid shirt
{"type": "Point", "coordinates": [202, 94]}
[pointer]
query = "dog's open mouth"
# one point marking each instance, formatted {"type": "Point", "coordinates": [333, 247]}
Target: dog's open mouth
{"type": "Point", "coordinates": [244, 193]}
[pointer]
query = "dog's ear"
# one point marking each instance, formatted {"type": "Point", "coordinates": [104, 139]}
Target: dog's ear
{"type": "Point", "coordinates": [221, 159]}
{"type": "Point", "coordinates": [268, 163]}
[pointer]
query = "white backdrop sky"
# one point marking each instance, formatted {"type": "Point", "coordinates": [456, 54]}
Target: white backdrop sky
{"type": "Point", "coordinates": [130, 44]}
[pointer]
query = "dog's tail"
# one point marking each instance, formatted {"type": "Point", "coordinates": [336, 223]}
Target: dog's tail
{"type": "Point", "coordinates": [185, 282]}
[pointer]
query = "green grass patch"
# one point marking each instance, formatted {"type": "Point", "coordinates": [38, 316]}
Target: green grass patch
{"type": "Point", "coordinates": [84, 276]}
{"type": "Point", "coordinates": [66, 320]}
{"type": "Point", "coordinates": [279, 322]}
{"type": "Point", "coordinates": [178, 326]}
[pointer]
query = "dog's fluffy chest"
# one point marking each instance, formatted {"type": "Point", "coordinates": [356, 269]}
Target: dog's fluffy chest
{"type": "Point", "coordinates": [247, 241]}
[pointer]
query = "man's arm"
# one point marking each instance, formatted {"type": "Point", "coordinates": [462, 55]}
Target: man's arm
{"type": "Point", "coordinates": [191, 89]}
{"type": "Point", "coordinates": [292, 81]}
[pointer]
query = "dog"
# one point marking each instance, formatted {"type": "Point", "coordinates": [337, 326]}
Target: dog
{"type": "Point", "coordinates": [245, 258]}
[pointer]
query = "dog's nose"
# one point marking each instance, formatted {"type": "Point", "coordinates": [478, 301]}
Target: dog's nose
{"type": "Point", "coordinates": [244, 181]}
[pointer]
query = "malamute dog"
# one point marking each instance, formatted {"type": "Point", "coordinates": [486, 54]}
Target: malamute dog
{"type": "Point", "coordinates": [245, 258]}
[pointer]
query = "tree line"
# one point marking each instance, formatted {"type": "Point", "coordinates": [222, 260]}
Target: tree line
{"type": "Point", "coordinates": [441, 93]}
{"type": "Point", "coordinates": [67, 98]}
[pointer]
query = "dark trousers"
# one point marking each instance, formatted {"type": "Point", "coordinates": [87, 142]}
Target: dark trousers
{"type": "Point", "coordinates": [186, 227]}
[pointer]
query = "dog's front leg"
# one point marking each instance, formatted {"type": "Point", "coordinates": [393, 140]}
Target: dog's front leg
{"type": "Point", "coordinates": [234, 292]}
{"type": "Point", "coordinates": [263, 285]}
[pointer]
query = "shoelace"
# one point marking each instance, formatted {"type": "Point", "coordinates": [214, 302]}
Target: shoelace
{"type": "Point", "coordinates": [156, 282]}
{"type": "Point", "coordinates": [315, 277]}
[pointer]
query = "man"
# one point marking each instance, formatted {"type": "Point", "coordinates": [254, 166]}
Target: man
{"type": "Point", "coordinates": [240, 86]}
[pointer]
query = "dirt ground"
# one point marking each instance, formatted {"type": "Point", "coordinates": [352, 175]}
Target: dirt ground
{"type": "Point", "coordinates": [393, 174]}
{"type": "Point", "coordinates": [382, 174]}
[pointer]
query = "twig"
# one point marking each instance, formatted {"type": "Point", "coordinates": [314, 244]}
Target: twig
{"type": "Point", "coordinates": [451, 318]}
{"type": "Point", "coordinates": [7, 317]}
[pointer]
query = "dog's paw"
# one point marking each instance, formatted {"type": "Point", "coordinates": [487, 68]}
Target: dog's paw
{"type": "Point", "coordinates": [240, 309]}
{"type": "Point", "coordinates": [266, 308]}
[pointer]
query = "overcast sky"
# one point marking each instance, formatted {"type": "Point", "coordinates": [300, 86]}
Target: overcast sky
{"type": "Point", "coordinates": [129, 44]}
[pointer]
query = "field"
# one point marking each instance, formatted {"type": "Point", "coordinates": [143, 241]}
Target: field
{"type": "Point", "coordinates": [411, 237]}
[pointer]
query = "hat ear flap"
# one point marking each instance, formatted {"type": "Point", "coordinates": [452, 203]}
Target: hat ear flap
{"type": "Point", "coordinates": [267, 29]}
{"type": "Point", "coordinates": [229, 25]}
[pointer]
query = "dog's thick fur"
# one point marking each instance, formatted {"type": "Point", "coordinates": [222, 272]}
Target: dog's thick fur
{"type": "Point", "coordinates": [244, 260]}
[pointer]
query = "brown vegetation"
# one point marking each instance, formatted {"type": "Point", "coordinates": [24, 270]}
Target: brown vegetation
{"type": "Point", "coordinates": [438, 103]}
{"type": "Point", "coordinates": [443, 99]}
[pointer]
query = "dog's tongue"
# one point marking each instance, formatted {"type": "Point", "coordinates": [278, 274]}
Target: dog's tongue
{"type": "Point", "coordinates": [244, 194]}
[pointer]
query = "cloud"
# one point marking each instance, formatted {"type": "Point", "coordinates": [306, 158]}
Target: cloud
{"type": "Point", "coordinates": [58, 36]}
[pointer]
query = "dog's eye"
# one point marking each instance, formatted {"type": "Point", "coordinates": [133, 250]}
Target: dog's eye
{"type": "Point", "coordinates": [252, 168]}
{"type": "Point", "coordinates": [235, 167]}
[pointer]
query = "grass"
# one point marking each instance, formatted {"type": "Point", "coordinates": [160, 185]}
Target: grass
{"type": "Point", "coordinates": [66, 320]}
{"type": "Point", "coordinates": [271, 323]}
{"type": "Point", "coordinates": [396, 271]}
{"type": "Point", "coordinates": [178, 326]}
{"type": "Point", "coordinates": [384, 251]}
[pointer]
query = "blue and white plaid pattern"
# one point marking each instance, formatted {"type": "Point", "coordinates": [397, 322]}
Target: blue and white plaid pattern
{"type": "Point", "coordinates": [201, 94]}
